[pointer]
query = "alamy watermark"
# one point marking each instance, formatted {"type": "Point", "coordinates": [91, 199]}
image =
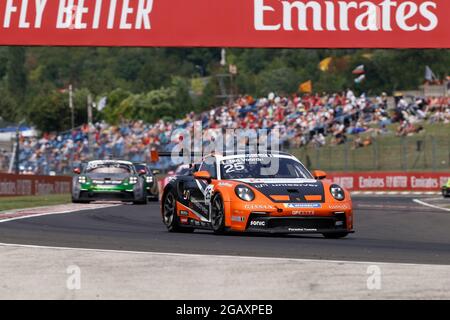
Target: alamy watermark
{"type": "Point", "coordinates": [73, 281]}
{"type": "Point", "coordinates": [374, 279]}
{"type": "Point", "coordinates": [193, 144]}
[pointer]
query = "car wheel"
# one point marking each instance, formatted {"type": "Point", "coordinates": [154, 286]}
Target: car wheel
{"type": "Point", "coordinates": [170, 217]}
{"type": "Point", "coordinates": [141, 202]}
{"type": "Point", "coordinates": [218, 214]}
{"type": "Point", "coordinates": [79, 201]}
{"type": "Point", "coordinates": [337, 235]}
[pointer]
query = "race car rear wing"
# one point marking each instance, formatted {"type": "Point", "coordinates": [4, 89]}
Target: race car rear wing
{"type": "Point", "coordinates": [156, 155]}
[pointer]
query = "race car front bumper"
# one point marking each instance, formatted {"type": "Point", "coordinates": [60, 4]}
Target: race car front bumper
{"type": "Point", "coordinates": [446, 192]}
{"type": "Point", "coordinates": [99, 195]}
{"type": "Point", "coordinates": [304, 225]}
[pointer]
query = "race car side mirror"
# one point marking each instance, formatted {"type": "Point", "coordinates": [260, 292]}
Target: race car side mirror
{"type": "Point", "coordinates": [156, 172]}
{"type": "Point", "coordinates": [202, 175]}
{"type": "Point", "coordinates": [77, 171]}
{"type": "Point", "coordinates": [319, 175]}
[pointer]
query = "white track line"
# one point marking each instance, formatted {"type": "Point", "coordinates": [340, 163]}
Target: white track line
{"type": "Point", "coordinates": [55, 213]}
{"type": "Point", "coordinates": [393, 193]}
{"type": "Point", "coordinates": [430, 205]}
{"type": "Point", "coordinates": [194, 255]}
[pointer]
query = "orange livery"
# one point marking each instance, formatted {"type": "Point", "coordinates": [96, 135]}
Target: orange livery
{"type": "Point", "coordinates": [270, 193]}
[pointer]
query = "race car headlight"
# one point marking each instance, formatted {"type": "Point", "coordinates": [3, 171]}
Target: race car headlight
{"type": "Point", "coordinates": [337, 192]}
{"type": "Point", "coordinates": [149, 179]}
{"type": "Point", "coordinates": [244, 193]}
{"type": "Point", "coordinates": [133, 180]}
{"type": "Point", "coordinates": [82, 180]}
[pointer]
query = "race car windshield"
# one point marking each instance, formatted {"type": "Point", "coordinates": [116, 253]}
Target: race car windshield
{"type": "Point", "coordinates": [109, 169]}
{"type": "Point", "coordinates": [140, 167]}
{"type": "Point", "coordinates": [183, 171]}
{"type": "Point", "coordinates": [263, 168]}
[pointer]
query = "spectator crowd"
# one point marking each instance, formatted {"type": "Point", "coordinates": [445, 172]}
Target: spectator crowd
{"type": "Point", "coordinates": [315, 120]}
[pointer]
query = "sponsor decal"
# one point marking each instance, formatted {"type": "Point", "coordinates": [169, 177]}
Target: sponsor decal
{"type": "Point", "coordinates": [390, 181]}
{"type": "Point", "coordinates": [184, 220]}
{"type": "Point", "coordinates": [303, 213]}
{"type": "Point", "coordinates": [370, 182]}
{"type": "Point", "coordinates": [397, 181]}
{"type": "Point", "coordinates": [344, 182]}
{"type": "Point", "coordinates": [13, 185]}
{"type": "Point", "coordinates": [302, 205]}
{"type": "Point", "coordinates": [258, 223]}
{"type": "Point", "coordinates": [301, 230]}
{"type": "Point", "coordinates": [286, 185]}
{"type": "Point", "coordinates": [238, 219]}
{"type": "Point", "coordinates": [264, 23]}
{"type": "Point", "coordinates": [225, 184]}
{"type": "Point", "coordinates": [258, 207]}
{"type": "Point", "coordinates": [339, 206]}
{"type": "Point", "coordinates": [208, 194]}
{"type": "Point", "coordinates": [184, 213]}
{"type": "Point", "coordinates": [426, 183]}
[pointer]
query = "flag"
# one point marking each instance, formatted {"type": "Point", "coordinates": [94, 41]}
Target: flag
{"type": "Point", "coordinates": [360, 79]}
{"type": "Point", "coordinates": [306, 87]}
{"type": "Point", "coordinates": [429, 74]}
{"type": "Point", "coordinates": [359, 69]}
{"type": "Point", "coordinates": [102, 103]}
{"type": "Point", "coordinates": [324, 65]}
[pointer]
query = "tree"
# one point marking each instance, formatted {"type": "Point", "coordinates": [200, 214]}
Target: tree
{"type": "Point", "coordinates": [8, 107]}
{"type": "Point", "coordinates": [16, 75]}
{"type": "Point", "coordinates": [50, 112]}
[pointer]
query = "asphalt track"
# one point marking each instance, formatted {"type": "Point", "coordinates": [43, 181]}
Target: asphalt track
{"type": "Point", "coordinates": [388, 229]}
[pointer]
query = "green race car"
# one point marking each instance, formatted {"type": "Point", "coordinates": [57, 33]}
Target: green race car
{"type": "Point", "coordinates": [108, 180]}
{"type": "Point", "coordinates": [446, 190]}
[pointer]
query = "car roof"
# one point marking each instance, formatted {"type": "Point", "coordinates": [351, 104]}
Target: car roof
{"type": "Point", "coordinates": [254, 154]}
{"type": "Point", "coordinates": [110, 161]}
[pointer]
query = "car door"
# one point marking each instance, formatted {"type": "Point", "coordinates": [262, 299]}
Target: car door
{"type": "Point", "coordinates": [199, 191]}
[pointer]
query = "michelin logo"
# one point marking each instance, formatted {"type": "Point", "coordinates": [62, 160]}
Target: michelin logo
{"type": "Point", "coordinates": [302, 205]}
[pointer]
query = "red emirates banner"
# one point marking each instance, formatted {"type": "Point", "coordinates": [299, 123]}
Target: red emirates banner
{"type": "Point", "coordinates": [24, 185]}
{"type": "Point", "coordinates": [227, 23]}
{"type": "Point", "coordinates": [391, 181]}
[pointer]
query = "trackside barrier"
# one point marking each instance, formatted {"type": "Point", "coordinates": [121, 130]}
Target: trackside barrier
{"type": "Point", "coordinates": [25, 185]}
{"type": "Point", "coordinates": [381, 181]}
{"type": "Point", "coordinates": [390, 181]}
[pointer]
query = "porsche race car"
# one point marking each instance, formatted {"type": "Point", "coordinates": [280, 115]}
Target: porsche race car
{"type": "Point", "coordinates": [244, 193]}
{"type": "Point", "coordinates": [446, 190]}
{"type": "Point", "coordinates": [108, 180]}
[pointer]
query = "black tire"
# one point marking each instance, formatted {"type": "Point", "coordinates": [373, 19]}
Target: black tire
{"type": "Point", "coordinates": [337, 235]}
{"type": "Point", "coordinates": [140, 202]}
{"type": "Point", "coordinates": [170, 217]}
{"type": "Point", "coordinates": [154, 198]}
{"type": "Point", "coordinates": [80, 201]}
{"type": "Point", "coordinates": [217, 214]}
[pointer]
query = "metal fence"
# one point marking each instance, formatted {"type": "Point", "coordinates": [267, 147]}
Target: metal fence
{"type": "Point", "coordinates": [425, 153]}
{"type": "Point", "coordinates": [385, 153]}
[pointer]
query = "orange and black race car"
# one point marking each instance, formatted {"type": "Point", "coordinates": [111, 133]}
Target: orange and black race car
{"type": "Point", "coordinates": [272, 193]}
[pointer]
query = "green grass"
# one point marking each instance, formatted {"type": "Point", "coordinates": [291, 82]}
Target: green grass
{"type": "Point", "coordinates": [387, 153]}
{"type": "Point", "coordinates": [10, 203]}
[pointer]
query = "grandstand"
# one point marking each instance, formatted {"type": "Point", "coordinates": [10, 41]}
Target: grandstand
{"type": "Point", "coordinates": [334, 131]}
